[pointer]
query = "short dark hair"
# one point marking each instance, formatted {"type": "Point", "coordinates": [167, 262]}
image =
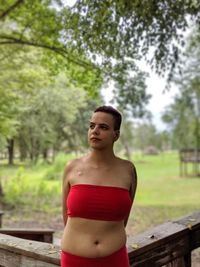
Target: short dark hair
{"type": "Point", "coordinates": [117, 117]}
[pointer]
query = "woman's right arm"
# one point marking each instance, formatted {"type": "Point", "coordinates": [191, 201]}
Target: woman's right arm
{"type": "Point", "coordinates": [65, 191]}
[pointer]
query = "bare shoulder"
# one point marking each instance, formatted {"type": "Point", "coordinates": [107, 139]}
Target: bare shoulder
{"type": "Point", "coordinates": [127, 164]}
{"type": "Point", "coordinates": [131, 169]}
{"type": "Point", "coordinates": [70, 166]}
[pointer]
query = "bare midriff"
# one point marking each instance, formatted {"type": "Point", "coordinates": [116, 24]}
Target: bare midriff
{"type": "Point", "coordinates": [92, 238]}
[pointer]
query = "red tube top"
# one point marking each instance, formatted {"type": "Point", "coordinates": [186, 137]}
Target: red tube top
{"type": "Point", "coordinates": [107, 203]}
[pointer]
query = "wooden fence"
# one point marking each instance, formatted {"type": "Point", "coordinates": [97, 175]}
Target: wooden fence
{"type": "Point", "coordinates": [169, 244]}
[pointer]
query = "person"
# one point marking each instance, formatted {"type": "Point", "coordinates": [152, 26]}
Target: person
{"type": "Point", "coordinates": [98, 192]}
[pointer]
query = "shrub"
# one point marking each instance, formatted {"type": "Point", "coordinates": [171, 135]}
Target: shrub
{"type": "Point", "coordinates": [16, 188]}
{"type": "Point", "coordinates": [23, 190]}
{"type": "Point", "coordinates": [55, 171]}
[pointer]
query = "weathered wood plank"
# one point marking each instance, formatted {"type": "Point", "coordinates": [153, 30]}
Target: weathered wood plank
{"type": "Point", "coordinates": [169, 242]}
{"type": "Point", "coordinates": [39, 251]}
{"type": "Point", "coordinates": [10, 259]}
{"type": "Point", "coordinates": [155, 237]}
{"type": "Point", "coordinates": [161, 254]}
{"type": "Point", "coordinates": [42, 235]}
{"type": "Point", "coordinates": [189, 221]}
{"type": "Point", "coordinates": [192, 222]}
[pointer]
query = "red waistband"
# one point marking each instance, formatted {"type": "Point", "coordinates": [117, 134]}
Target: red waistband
{"type": "Point", "coordinates": [118, 259]}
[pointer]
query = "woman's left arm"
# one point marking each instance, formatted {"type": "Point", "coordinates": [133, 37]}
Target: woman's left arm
{"type": "Point", "coordinates": [133, 187]}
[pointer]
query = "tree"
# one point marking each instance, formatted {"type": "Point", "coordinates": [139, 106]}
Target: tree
{"type": "Point", "coordinates": [103, 38]}
{"type": "Point", "coordinates": [146, 135]}
{"type": "Point", "coordinates": [126, 141]}
{"type": "Point", "coordinates": [77, 131]}
{"type": "Point", "coordinates": [48, 116]}
{"type": "Point", "coordinates": [106, 35]}
{"type": "Point", "coordinates": [130, 94]}
{"type": "Point", "coordinates": [184, 114]}
{"type": "Point", "coordinates": [19, 77]}
{"type": "Point", "coordinates": [179, 117]}
{"type": "Point", "coordinates": [32, 97]}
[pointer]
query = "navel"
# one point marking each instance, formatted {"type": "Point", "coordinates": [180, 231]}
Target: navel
{"type": "Point", "coordinates": [96, 242]}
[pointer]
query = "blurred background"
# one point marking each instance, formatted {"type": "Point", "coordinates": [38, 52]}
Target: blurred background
{"type": "Point", "coordinates": [59, 60]}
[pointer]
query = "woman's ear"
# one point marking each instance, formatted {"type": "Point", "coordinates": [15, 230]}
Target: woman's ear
{"type": "Point", "coordinates": [117, 135]}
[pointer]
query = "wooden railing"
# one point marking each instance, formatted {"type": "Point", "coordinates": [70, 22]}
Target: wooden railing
{"type": "Point", "coordinates": [42, 235]}
{"type": "Point", "coordinates": [169, 244]}
{"type": "Point", "coordinates": [18, 252]}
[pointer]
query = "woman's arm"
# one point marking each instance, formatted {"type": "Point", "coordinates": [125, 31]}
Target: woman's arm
{"type": "Point", "coordinates": [133, 187]}
{"type": "Point", "coordinates": [65, 189]}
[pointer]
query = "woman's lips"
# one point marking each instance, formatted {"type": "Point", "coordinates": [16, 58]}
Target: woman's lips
{"type": "Point", "coordinates": [95, 139]}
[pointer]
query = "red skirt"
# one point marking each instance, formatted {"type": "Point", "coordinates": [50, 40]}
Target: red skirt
{"type": "Point", "coordinates": [116, 259]}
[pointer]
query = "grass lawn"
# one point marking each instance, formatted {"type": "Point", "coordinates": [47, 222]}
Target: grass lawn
{"type": "Point", "coordinates": [161, 194]}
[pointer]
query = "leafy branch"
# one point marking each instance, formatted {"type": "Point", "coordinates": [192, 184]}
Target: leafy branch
{"type": "Point", "coordinates": [62, 51]}
{"type": "Point", "coordinates": [10, 9]}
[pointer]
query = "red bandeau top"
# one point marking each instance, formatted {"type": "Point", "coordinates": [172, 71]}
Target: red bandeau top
{"type": "Point", "coordinates": [107, 203]}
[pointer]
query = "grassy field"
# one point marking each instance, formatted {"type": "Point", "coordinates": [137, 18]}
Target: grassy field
{"type": "Point", "coordinates": [161, 194]}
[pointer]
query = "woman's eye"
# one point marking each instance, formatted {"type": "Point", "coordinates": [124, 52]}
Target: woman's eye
{"type": "Point", "coordinates": [104, 127]}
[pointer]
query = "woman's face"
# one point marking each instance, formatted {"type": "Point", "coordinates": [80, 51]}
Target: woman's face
{"type": "Point", "coordinates": [101, 133]}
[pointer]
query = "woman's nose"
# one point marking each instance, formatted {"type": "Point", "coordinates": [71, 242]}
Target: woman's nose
{"type": "Point", "coordinates": [95, 129]}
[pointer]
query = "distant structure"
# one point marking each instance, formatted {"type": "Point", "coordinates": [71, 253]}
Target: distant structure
{"type": "Point", "coordinates": [151, 150]}
{"type": "Point", "coordinates": [189, 162]}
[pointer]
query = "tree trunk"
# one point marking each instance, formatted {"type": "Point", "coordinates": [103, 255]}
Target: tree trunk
{"type": "Point", "coordinates": [22, 148]}
{"type": "Point", "coordinates": [10, 147]}
{"type": "Point", "coordinates": [1, 189]}
{"type": "Point", "coordinates": [126, 147]}
{"type": "Point", "coordinates": [45, 154]}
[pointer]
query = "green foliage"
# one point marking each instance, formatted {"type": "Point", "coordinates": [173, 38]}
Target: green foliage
{"type": "Point", "coordinates": [48, 114]}
{"type": "Point", "coordinates": [180, 118]}
{"type": "Point", "coordinates": [141, 136]}
{"type": "Point", "coordinates": [38, 109]}
{"type": "Point", "coordinates": [18, 79]}
{"type": "Point", "coordinates": [125, 29]}
{"type": "Point", "coordinates": [23, 190]}
{"type": "Point", "coordinates": [90, 42]}
{"type": "Point", "coordinates": [130, 94]}
{"type": "Point", "coordinates": [101, 34]}
{"type": "Point", "coordinates": [145, 135]}
{"type": "Point", "coordinates": [55, 171]}
{"type": "Point", "coordinates": [183, 115]}
{"type": "Point", "coordinates": [17, 188]}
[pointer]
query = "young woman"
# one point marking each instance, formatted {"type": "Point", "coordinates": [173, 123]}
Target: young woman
{"type": "Point", "coordinates": [98, 191]}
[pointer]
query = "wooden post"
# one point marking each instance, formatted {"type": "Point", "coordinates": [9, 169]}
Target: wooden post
{"type": "Point", "coordinates": [188, 260]}
{"type": "Point", "coordinates": [1, 217]}
{"type": "Point", "coordinates": [181, 168]}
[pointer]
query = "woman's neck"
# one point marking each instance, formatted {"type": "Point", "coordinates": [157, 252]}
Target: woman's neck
{"type": "Point", "coordinates": [101, 156]}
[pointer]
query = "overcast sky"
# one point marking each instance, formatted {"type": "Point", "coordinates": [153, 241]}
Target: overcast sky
{"type": "Point", "coordinates": [160, 97]}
